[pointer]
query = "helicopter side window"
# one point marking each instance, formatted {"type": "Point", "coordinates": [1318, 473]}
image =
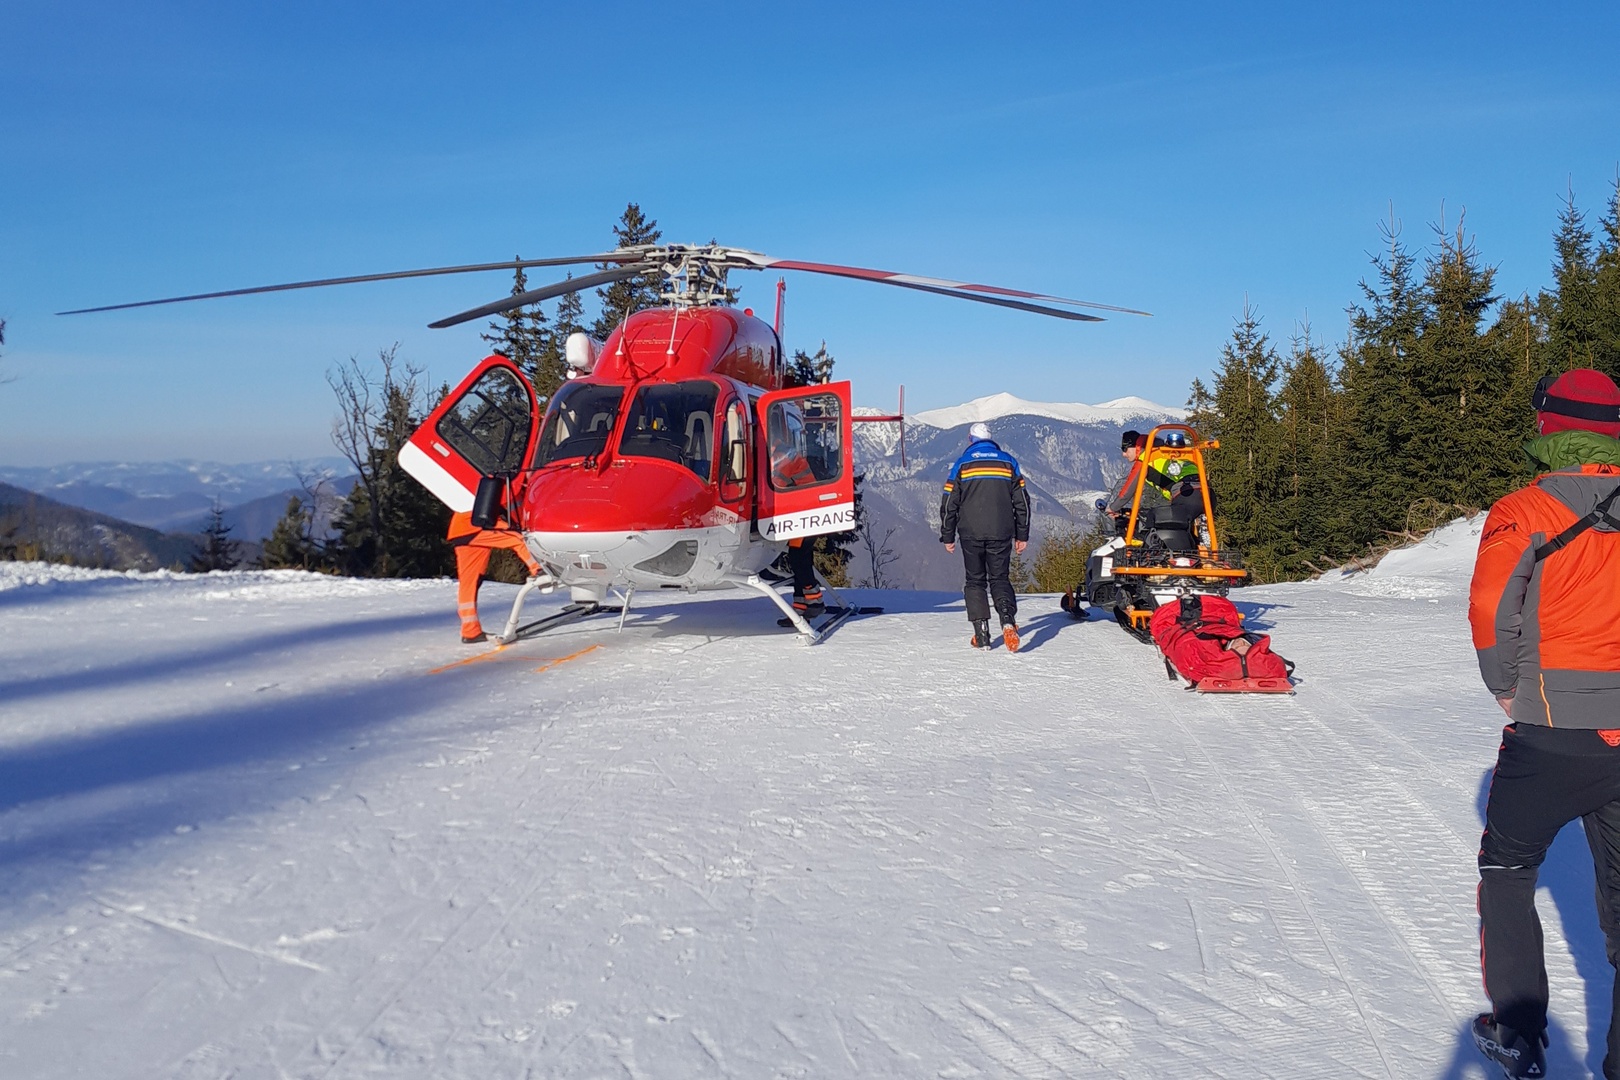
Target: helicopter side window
{"type": "Point", "coordinates": [579, 422]}
{"type": "Point", "coordinates": [734, 448]}
{"type": "Point", "coordinates": [673, 422]}
{"type": "Point", "coordinates": [805, 442]}
{"type": "Point", "coordinates": [489, 426]}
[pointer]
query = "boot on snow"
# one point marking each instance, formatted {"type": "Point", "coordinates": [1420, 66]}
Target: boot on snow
{"type": "Point", "coordinates": [981, 633]}
{"type": "Point", "coordinates": [474, 638]}
{"type": "Point", "coordinates": [1520, 1057]}
{"type": "Point", "coordinates": [1009, 636]}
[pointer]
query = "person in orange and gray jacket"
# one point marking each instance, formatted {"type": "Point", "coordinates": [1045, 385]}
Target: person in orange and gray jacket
{"type": "Point", "coordinates": [473, 547]}
{"type": "Point", "coordinates": [1544, 606]}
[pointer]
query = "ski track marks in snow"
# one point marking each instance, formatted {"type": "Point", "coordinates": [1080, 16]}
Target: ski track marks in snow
{"type": "Point", "coordinates": [271, 844]}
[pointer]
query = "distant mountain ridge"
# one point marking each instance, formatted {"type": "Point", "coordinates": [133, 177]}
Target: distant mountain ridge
{"type": "Point", "coordinates": [176, 496]}
{"type": "Point", "coordinates": [1068, 452]}
{"type": "Point", "coordinates": [996, 406]}
{"type": "Point", "coordinates": [56, 530]}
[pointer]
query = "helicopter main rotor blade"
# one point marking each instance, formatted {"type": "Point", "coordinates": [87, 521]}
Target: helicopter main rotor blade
{"type": "Point", "coordinates": [1001, 301]}
{"type": "Point", "coordinates": [511, 264]}
{"type": "Point", "coordinates": [963, 289]}
{"type": "Point", "coordinates": [545, 292]}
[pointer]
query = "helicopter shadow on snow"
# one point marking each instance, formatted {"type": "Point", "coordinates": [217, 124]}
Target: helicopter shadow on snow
{"type": "Point", "coordinates": [154, 670]}
{"type": "Point", "coordinates": [119, 789]}
{"type": "Point", "coordinates": [1568, 879]}
{"type": "Point", "coordinates": [739, 614]}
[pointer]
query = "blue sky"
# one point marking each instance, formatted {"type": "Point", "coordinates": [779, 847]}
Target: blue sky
{"type": "Point", "coordinates": [1177, 158]}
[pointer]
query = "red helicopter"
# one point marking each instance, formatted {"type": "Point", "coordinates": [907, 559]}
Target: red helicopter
{"type": "Point", "coordinates": [651, 467]}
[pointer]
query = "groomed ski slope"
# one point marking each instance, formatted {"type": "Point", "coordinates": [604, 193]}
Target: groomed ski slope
{"type": "Point", "coordinates": [246, 830]}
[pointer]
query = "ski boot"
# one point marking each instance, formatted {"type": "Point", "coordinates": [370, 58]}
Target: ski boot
{"type": "Point", "coordinates": [1009, 636]}
{"type": "Point", "coordinates": [1519, 1058]}
{"type": "Point", "coordinates": [981, 633]}
{"type": "Point", "coordinates": [809, 605]}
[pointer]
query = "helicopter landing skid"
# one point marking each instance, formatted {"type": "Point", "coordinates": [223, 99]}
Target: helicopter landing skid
{"type": "Point", "coordinates": [569, 614]}
{"type": "Point", "coordinates": [838, 611]}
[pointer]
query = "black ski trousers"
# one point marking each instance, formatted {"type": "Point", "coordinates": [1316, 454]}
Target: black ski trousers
{"type": "Point", "coordinates": [988, 562]}
{"type": "Point", "coordinates": [1544, 779]}
{"type": "Point", "coordinates": [802, 561]}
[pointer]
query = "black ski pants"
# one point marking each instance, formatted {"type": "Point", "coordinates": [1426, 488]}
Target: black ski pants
{"type": "Point", "coordinates": [802, 561]}
{"type": "Point", "coordinates": [1544, 779]}
{"type": "Point", "coordinates": [988, 562]}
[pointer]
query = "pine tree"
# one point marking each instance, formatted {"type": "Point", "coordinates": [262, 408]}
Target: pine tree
{"type": "Point", "coordinates": [521, 334]}
{"type": "Point", "coordinates": [1573, 304]}
{"type": "Point", "coordinates": [290, 545]}
{"type": "Point", "coordinates": [551, 365]}
{"type": "Point", "coordinates": [1607, 331]}
{"type": "Point", "coordinates": [1383, 455]}
{"type": "Point", "coordinates": [1243, 472]}
{"type": "Point", "coordinates": [1200, 406]}
{"type": "Point", "coordinates": [390, 526]}
{"type": "Point", "coordinates": [1463, 457]}
{"type": "Point", "coordinates": [218, 551]}
{"type": "Point", "coordinates": [1519, 342]}
{"type": "Point", "coordinates": [807, 370]}
{"type": "Point", "coordinates": [624, 298]}
{"type": "Point", "coordinates": [1310, 426]}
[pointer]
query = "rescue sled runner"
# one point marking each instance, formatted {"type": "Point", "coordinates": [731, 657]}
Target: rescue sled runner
{"type": "Point", "coordinates": [1168, 554]}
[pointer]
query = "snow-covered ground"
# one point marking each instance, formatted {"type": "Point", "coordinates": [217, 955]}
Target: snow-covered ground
{"type": "Point", "coordinates": [251, 825]}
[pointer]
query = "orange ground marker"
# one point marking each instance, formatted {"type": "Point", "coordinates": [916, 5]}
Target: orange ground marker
{"type": "Point", "coordinates": [499, 653]}
{"type": "Point", "coordinates": [564, 659]}
{"type": "Point", "coordinates": [490, 655]}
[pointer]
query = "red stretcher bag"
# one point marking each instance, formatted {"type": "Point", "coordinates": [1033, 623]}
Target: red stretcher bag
{"type": "Point", "coordinates": [1196, 637]}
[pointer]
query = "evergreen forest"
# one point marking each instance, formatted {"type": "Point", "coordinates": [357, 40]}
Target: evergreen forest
{"type": "Point", "coordinates": [1330, 454]}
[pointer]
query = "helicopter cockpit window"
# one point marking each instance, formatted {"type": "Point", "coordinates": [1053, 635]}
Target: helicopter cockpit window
{"type": "Point", "coordinates": [579, 422]}
{"type": "Point", "coordinates": [674, 422]}
{"type": "Point", "coordinates": [489, 426]}
{"type": "Point", "coordinates": [805, 442]}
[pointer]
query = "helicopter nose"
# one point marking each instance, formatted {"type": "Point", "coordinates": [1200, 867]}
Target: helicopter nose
{"type": "Point", "coordinates": [632, 495]}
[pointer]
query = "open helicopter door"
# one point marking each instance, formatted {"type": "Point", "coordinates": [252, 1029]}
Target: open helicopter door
{"type": "Point", "coordinates": [805, 462]}
{"type": "Point", "coordinates": [486, 426]}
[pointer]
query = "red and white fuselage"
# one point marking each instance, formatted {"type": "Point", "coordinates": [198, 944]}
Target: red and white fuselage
{"type": "Point", "coordinates": [660, 467]}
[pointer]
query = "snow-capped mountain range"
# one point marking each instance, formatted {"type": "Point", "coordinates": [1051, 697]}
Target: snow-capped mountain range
{"type": "Point", "coordinates": [1068, 451]}
{"type": "Point", "coordinates": [176, 496]}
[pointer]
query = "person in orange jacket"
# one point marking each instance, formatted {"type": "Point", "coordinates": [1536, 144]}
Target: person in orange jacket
{"type": "Point", "coordinates": [1544, 606]}
{"type": "Point", "coordinates": [473, 547]}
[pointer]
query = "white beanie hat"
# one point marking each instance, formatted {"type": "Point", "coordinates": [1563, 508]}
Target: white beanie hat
{"type": "Point", "coordinates": [980, 430]}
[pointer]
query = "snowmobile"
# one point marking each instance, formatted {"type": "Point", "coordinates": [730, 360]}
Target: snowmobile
{"type": "Point", "coordinates": [1167, 551]}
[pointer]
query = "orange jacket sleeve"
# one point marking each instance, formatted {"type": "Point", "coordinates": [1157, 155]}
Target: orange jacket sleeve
{"type": "Point", "coordinates": [1502, 572]}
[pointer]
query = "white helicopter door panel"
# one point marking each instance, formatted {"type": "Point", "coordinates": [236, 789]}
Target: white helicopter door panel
{"type": "Point", "coordinates": [805, 466]}
{"type": "Point", "coordinates": [486, 426]}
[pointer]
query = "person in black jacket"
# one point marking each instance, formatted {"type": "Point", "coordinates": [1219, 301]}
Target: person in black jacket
{"type": "Point", "coordinates": [986, 507]}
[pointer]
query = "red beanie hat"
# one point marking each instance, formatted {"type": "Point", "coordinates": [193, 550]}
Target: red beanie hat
{"type": "Point", "coordinates": [1578, 400]}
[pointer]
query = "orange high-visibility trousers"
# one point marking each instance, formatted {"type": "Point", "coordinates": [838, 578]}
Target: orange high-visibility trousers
{"type": "Point", "coordinates": [472, 559]}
